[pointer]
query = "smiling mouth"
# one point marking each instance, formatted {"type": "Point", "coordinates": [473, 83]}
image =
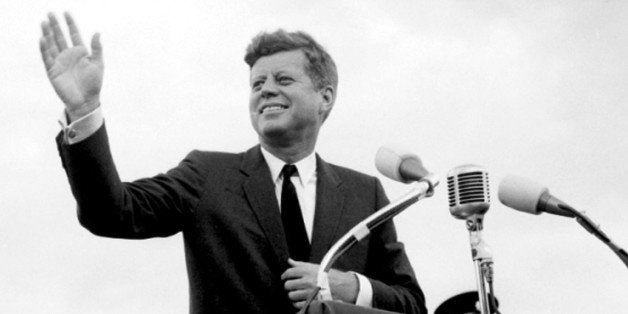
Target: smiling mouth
{"type": "Point", "coordinates": [272, 108]}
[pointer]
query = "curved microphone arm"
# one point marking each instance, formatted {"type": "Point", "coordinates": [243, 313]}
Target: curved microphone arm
{"type": "Point", "coordinates": [593, 228]}
{"type": "Point", "coordinates": [424, 188]}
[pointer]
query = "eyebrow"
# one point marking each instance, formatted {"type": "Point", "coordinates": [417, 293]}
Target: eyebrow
{"type": "Point", "coordinates": [255, 78]}
{"type": "Point", "coordinates": [275, 74]}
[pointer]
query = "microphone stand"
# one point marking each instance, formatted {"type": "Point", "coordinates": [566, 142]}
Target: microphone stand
{"type": "Point", "coordinates": [483, 260]}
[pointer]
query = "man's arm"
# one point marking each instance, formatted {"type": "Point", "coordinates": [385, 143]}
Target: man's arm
{"type": "Point", "coordinates": [144, 208]}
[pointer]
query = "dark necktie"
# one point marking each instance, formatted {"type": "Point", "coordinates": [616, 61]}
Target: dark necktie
{"type": "Point", "coordinates": [293, 226]}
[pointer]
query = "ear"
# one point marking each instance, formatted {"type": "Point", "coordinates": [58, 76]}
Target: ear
{"type": "Point", "coordinates": [328, 96]}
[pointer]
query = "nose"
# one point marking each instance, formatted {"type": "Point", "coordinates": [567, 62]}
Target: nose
{"type": "Point", "coordinates": [269, 89]}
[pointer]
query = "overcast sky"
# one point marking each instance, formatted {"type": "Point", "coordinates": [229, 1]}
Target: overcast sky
{"type": "Point", "coordinates": [534, 88]}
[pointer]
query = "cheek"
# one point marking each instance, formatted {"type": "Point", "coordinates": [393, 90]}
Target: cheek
{"type": "Point", "coordinates": [253, 99]}
{"type": "Point", "coordinates": [254, 116]}
{"type": "Point", "coordinates": [311, 107]}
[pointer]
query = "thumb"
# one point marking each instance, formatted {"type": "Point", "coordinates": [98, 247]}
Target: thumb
{"type": "Point", "coordinates": [293, 262]}
{"type": "Point", "coordinates": [96, 48]}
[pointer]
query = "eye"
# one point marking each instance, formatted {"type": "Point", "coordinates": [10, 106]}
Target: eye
{"type": "Point", "coordinates": [284, 80]}
{"type": "Point", "coordinates": [257, 85]}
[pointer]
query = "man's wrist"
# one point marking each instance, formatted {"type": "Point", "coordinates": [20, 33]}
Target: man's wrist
{"type": "Point", "coordinates": [80, 129]}
{"type": "Point", "coordinates": [84, 110]}
{"type": "Point", "coordinates": [345, 286]}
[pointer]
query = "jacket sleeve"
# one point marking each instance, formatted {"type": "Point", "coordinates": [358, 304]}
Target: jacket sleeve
{"type": "Point", "coordinates": [141, 209]}
{"type": "Point", "coordinates": [395, 287]}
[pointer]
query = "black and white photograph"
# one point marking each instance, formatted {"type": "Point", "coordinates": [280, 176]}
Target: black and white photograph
{"type": "Point", "coordinates": [278, 156]}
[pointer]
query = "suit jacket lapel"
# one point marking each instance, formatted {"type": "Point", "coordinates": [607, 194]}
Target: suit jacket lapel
{"type": "Point", "coordinates": [330, 201]}
{"type": "Point", "coordinates": [260, 192]}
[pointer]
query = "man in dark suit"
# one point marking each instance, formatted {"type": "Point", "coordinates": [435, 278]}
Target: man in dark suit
{"type": "Point", "coordinates": [255, 224]}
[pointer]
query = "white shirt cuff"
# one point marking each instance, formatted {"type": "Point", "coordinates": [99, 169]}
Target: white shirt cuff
{"type": "Point", "coordinates": [82, 128]}
{"type": "Point", "coordinates": [365, 292]}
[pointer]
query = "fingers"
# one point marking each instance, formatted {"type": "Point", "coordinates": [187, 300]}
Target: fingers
{"type": "Point", "coordinates": [298, 285]}
{"type": "Point", "coordinates": [299, 298]}
{"type": "Point", "coordinates": [300, 269]}
{"type": "Point", "coordinates": [294, 272]}
{"type": "Point", "coordinates": [300, 281]}
{"type": "Point", "coordinates": [299, 305]}
{"type": "Point", "coordinates": [47, 46]}
{"type": "Point", "coordinates": [96, 48]}
{"type": "Point", "coordinates": [57, 33]}
{"type": "Point", "coordinates": [49, 40]}
{"type": "Point", "coordinates": [298, 292]}
{"type": "Point", "coordinates": [300, 277]}
{"type": "Point", "coordinates": [290, 273]}
{"type": "Point", "coordinates": [299, 295]}
{"type": "Point", "coordinates": [45, 56]}
{"type": "Point", "coordinates": [53, 41]}
{"type": "Point", "coordinates": [75, 36]}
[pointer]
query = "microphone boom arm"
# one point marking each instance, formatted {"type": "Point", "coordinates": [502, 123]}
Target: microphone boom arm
{"type": "Point", "coordinates": [593, 228]}
{"type": "Point", "coordinates": [424, 189]}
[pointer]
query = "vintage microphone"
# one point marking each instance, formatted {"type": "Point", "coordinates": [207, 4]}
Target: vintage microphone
{"type": "Point", "coordinates": [469, 199]}
{"type": "Point", "coordinates": [396, 164]}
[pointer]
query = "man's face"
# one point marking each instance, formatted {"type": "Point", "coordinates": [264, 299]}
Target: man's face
{"type": "Point", "coordinates": [284, 102]}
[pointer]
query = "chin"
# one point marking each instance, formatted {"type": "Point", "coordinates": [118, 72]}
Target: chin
{"type": "Point", "coordinates": [272, 131]}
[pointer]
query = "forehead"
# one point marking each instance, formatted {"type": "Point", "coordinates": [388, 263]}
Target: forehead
{"type": "Point", "coordinates": [292, 61]}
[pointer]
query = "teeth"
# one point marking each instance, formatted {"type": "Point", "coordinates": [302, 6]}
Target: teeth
{"type": "Point", "coordinates": [273, 108]}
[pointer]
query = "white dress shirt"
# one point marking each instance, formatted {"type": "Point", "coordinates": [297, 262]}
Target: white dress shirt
{"type": "Point", "coordinates": [304, 184]}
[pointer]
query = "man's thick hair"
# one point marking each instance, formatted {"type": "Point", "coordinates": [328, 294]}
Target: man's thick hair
{"type": "Point", "coordinates": [321, 68]}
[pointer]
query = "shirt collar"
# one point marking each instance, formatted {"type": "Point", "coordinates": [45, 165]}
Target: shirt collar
{"type": "Point", "coordinates": [305, 166]}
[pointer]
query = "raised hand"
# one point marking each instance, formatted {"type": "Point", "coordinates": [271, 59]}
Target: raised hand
{"type": "Point", "coordinates": [75, 75]}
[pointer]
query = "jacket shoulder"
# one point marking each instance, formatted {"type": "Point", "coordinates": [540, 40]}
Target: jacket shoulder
{"type": "Point", "coordinates": [353, 176]}
{"type": "Point", "coordinates": [212, 159]}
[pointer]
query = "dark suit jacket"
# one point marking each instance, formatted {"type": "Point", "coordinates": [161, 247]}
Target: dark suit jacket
{"type": "Point", "coordinates": [225, 205]}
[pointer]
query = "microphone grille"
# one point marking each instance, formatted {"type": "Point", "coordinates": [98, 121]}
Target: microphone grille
{"type": "Point", "coordinates": [468, 187]}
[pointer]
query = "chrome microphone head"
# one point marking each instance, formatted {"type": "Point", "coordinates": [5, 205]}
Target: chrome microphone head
{"type": "Point", "coordinates": [468, 191]}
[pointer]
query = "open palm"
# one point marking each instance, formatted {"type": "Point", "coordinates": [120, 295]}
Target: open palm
{"type": "Point", "coordinates": [75, 74]}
